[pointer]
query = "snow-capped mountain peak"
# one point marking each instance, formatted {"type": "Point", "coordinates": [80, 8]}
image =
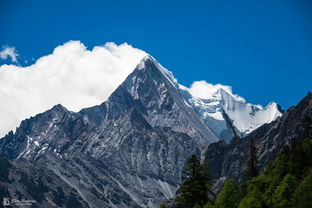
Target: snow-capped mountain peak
{"type": "Point", "coordinates": [168, 74]}
{"type": "Point", "coordinates": [225, 113]}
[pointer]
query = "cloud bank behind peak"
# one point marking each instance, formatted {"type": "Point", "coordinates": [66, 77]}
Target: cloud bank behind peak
{"type": "Point", "coordinates": [72, 76]}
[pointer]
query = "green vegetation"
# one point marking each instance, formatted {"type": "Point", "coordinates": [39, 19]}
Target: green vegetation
{"type": "Point", "coordinates": [285, 183]}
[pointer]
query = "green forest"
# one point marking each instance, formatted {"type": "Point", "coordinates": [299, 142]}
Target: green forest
{"type": "Point", "coordinates": [285, 182]}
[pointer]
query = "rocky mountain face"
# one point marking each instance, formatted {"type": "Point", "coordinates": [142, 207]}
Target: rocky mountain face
{"type": "Point", "coordinates": [23, 180]}
{"type": "Point", "coordinates": [153, 92]}
{"type": "Point", "coordinates": [56, 130]}
{"type": "Point", "coordinates": [230, 160]}
{"type": "Point", "coordinates": [126, 152]}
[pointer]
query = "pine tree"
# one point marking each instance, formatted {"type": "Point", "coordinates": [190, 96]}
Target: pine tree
{"type": "Point", "coordinates": [229, 195]}
{"type": "Point", "coordinates": [196, 183]}
{"type": "Point", "coordinates": [252, 164]}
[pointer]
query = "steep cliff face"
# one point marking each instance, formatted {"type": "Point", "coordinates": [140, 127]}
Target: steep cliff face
{"type": "Point", "coordinates": [230, 160]}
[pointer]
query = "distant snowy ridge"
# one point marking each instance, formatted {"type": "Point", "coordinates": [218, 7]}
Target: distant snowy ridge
{"type": "Point", "coordinates": [225, 113]}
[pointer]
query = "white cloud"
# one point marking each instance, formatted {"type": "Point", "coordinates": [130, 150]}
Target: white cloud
{"type": "Point", "coordinates": [72, 75]}
{"type": "Point", "coordinates": [205, 90]}
{"type": "Point", "coordinates": [9, 52]}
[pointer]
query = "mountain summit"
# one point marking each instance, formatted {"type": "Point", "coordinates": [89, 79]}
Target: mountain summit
{"type": "Point", "coordinates": [153, 92]}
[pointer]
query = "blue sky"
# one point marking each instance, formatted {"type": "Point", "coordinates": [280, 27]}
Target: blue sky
{"type": "Point", "coordinates": [263, 49]}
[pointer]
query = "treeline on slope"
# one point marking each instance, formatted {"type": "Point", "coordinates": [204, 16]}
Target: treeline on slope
{"type": "Point", "coordinates": [285, 183]}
